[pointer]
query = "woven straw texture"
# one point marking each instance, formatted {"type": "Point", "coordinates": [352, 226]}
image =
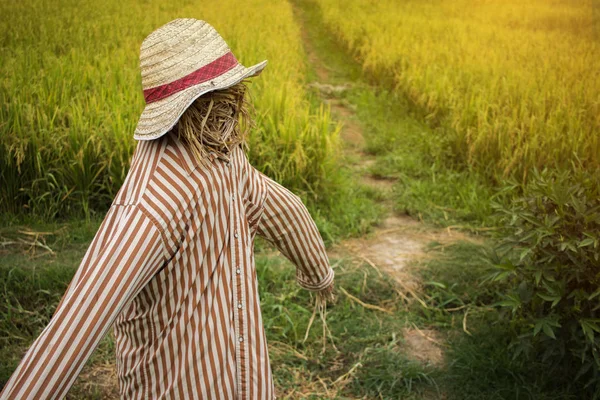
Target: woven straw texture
{"type": "Point", "coordinates": [172, 52]}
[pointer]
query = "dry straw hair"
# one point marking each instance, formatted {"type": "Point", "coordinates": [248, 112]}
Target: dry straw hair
{"type": "Point", "coordinates": [217, 122]}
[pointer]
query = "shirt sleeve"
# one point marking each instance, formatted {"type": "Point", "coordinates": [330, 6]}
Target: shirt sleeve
{"type": "Point", "coordinates": [286, 222]}
{"type": "Point", "coordinates": [126, 252]}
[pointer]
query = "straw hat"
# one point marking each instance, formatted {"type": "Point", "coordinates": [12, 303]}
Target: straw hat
{"type": "Point", "coordinates": [181, 61]}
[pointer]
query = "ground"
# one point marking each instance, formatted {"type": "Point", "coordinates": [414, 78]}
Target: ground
{"type": "Point", "coordinates": [400, 240]}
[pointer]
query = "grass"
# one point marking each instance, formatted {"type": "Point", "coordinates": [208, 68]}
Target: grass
{"type": "Point", "coordinates": [364, 356]}
{"type": "Point", "coordinates": [364, 361]}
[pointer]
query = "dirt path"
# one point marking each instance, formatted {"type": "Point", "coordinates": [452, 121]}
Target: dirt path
{"type": "Point", "coordinates": [395, 245]}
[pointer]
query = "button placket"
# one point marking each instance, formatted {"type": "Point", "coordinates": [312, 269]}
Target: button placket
{"type": "Point", "coordinates": [240, 284]}
{"type": "Point", "coordinates": [238, 289]}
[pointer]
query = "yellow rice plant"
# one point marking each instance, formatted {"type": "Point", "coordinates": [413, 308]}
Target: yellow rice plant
{"type": "Point", "coordinates": [517, 83]}
{"type": "Point", "coordinates": [70, 96]}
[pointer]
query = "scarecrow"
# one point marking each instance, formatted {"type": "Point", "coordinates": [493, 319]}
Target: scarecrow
{"type": "Point", "coordinates": [171, 268]}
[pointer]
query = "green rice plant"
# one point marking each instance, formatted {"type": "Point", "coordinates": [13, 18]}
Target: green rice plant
{"type": "Point", "coordinates": [71, 95]}
{"type": "Point", "coordinates": [514, 84]}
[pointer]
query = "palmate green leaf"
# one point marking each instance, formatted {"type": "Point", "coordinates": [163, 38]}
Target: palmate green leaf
{"type": "Point", "coordinates": [571, 247]}
{"type": "Point", "coordinates": [538, 276]}
{"type": "Point", "coordinates": [562, 246]}
{"type": "Point", "coordinates": [530, 236]}
{"type": "Point", "coordinates": [502, 275]}
{"type": "Point", "coordinates": [593, 295]}
{"type": "Point", "coordinates": [586, 242]}
{"type": "Point", "coordinates": [524, 254]}
{"type": "Point", "coordinates": [529, 217]}
{"type": "Point", "coordinates": [554, 299]}
{"type": "Point", "coordinates": [510, 301]}
{"type": "Point", "coordinates": [549, 331]}
{"type": "Point", "coordinates": [553, 322]}
{"type": "Point", "coordinates": [589, 326]}
{"type": "Point", "coordinates": [546, 325]}
{"type": "Point", "coordinates": [551, 220]}
{"type": "Point", "coordinates": [506, 266]}
{"type": "Point", "coordinates": [538, 327]}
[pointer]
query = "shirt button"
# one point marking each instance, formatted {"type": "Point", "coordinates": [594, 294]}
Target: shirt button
{"type": "Point", "coordinates": [241, 339]}
{"type": "Point", "coordinates": [239, 305]}
{"type": "Point", "coordinates": [238, 271]}
{"type": "Point", "coordinates": [235, 235]}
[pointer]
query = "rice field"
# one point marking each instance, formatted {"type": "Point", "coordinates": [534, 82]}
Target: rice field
{"type": "Point", "coordinates": [454, 98]}
{"type": "Point", "coordinates": [512, 86]}
{"type": "Point", "coordinates": [70, 96]}
{"type": "Point", "coordinates": [515, 84]}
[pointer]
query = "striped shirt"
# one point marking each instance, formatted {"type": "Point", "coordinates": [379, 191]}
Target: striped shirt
{"type": "Point", "coordinates": [171, 269]}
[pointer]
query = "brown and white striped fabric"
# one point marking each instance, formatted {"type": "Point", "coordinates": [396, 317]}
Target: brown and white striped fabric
{"type": "Point", "coordinates": [172, 269]}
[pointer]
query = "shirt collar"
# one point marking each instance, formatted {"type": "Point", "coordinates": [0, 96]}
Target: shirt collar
{"type": "Point", "coordinates": [190, 162]}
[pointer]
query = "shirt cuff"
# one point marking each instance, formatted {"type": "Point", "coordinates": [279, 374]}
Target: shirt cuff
{"type": "Point", "coordinates": [325, 282]}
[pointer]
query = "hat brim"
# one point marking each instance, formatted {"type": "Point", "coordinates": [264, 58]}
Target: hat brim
{"type": "Point", "coordinates": [159, 117]}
